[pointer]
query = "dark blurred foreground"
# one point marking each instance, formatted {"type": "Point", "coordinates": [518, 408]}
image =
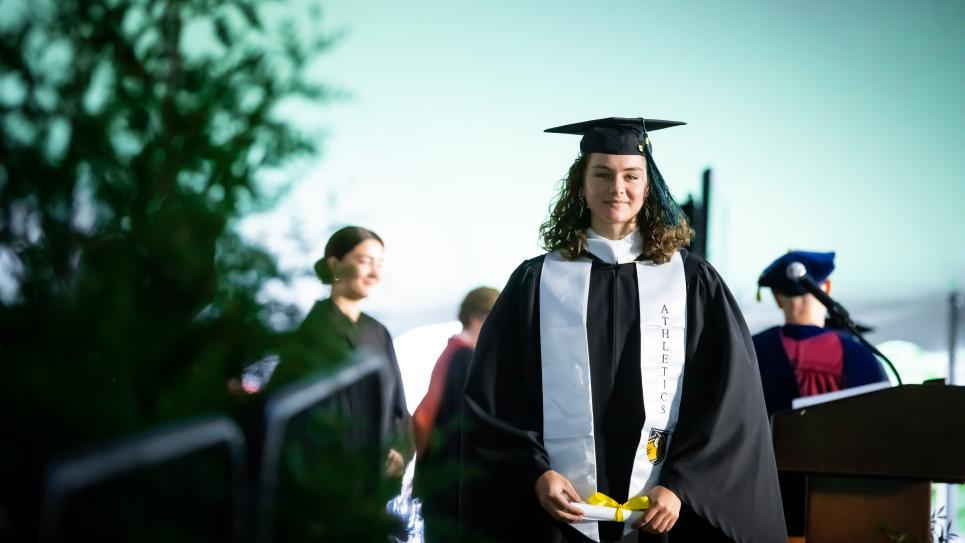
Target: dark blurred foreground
{"type": "Point", "coordinates": [134, 134]}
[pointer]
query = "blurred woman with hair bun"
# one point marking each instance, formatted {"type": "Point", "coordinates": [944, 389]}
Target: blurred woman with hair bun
{"type": "Point", "coordinates": [337, 329]}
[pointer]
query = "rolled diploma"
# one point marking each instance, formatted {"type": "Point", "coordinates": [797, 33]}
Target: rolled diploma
{"type": "Point", "coordinates": [594, 513]}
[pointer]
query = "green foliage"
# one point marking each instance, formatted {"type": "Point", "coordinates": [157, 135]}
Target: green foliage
{"type": "Point", "coordinates": [893, 534]}
{"type": "Point", "coordinates": [938, 528]}
{"type": "Point", "coordinates": [134, 134]}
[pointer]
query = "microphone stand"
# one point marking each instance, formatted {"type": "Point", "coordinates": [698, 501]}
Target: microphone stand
{"type": "Point", "coordinates": [853, 328]}
{"type": "Point", "coordinates": [840, 314]}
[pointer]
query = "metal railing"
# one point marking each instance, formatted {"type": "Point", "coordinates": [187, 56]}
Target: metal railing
{"type": "Point", "coordinates": [72, 474]}
{"type": "Point", "coordinates": [281, 408]}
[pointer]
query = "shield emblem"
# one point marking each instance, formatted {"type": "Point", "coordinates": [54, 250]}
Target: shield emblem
{"type": "Point", "coordinates": [657, 445]}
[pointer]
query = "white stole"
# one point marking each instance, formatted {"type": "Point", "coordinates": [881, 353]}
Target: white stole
{"type": "Point", "coordinates": [567, 394]}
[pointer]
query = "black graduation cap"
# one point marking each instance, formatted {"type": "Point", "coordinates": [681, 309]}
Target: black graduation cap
{"type": "Point", "coordinates": [627, 136]}
{"type": "Point", "coordinates": [614, 135]}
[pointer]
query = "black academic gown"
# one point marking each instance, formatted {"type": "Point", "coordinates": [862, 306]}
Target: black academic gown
{"type": "Point", "coordinates": [326, 338]}
{"type": "Point", "coordinates": [335, 465]}
{"type": "Point", "coordinates": [720, 461]}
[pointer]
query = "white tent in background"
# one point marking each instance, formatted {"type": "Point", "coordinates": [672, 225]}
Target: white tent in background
{"type": "Point", "coordinates": [417, 350]}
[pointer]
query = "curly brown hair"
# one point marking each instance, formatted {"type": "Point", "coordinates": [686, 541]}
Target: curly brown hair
{"type": "Point", "coordinates": [565, 229]}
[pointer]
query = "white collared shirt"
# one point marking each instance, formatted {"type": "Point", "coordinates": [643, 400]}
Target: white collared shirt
{"type": "Point", "coordinates": [615, 251]}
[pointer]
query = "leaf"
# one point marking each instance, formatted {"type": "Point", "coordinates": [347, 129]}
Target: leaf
{"type": "Point", "coordinates": [250, 13]}
{"type": "Point", "coordinates": [222, 32]}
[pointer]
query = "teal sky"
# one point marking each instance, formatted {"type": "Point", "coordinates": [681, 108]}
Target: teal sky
{"type": "Point", "coordinates": [829, 126]}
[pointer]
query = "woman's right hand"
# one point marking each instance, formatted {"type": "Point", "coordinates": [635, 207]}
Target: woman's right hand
{"type": "Point", "coordinates": [394, 464]}
{"type": "Point", "coordinates": [555, 493]}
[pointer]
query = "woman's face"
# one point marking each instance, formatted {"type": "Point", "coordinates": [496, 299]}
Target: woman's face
{"type": "Point", "coordinates": [615, 187]}
{"type": "Point", "coordinates": [359, 271]}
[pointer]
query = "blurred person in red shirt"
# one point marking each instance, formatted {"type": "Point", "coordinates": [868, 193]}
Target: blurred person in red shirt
{"type": "Point", "coordinates": [436, 422]}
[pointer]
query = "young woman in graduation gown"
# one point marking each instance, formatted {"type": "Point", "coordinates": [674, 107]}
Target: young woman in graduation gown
{"type": "Point", "coordinates": [617, 365]}
{"type": "Point", "coordinates": [337, 329]}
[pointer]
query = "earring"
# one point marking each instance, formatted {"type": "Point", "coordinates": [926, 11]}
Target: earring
{"type": "Point", "coordinates": [582, 206]}
{"type": "Point", "coordinates": [335, 279]}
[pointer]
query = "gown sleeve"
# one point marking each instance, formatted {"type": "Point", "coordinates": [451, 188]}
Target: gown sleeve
{"type": "Point", "coordinates": [502, 445]}
{"type": "Point", "coordinates": [779, 383]}
{"type": "Point", "coordinates": [720, 459]}
{"type": "Point", "coordinates": [860, 365]}
{"type": "Point", "coordinates": [400, 421]}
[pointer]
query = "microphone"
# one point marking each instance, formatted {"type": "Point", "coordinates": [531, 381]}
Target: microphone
{"type": "Point", "coordinates": [799, 274]}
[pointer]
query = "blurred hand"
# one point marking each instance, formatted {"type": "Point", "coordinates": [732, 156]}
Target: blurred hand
{"type": "Point", "coordinates": [555, 493]}
{"type": "Point", "coordinates": [394, 464]}
{"type": "Point", "coordinates": [235, 387]}
{"type": "Point", "coordinates": [663, 512]}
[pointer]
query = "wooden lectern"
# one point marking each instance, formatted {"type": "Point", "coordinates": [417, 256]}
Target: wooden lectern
{"type": "Point", "coordinates": [872, 457]}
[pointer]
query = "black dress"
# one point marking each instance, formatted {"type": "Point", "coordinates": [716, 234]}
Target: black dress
{"type": "Point", "coordinates": [720, 462]}
{"type": "Point", "coordinates": [332, 461]}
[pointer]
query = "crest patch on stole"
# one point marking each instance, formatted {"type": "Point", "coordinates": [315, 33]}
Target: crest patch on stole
{"type": "Point", "coordinates": [657, 445]}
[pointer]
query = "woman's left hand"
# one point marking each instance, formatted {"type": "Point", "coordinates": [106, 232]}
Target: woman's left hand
{"type": "Point", "coordinates": [394, 464]}
{"type": "Point", "coordinates": [663, 512]}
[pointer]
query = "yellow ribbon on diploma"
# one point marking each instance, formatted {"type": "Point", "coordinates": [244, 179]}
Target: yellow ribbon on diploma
{"type": "Point", "coordinates": [638, 503]}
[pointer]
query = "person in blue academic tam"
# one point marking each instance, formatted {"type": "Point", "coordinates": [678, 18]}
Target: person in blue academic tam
{"type": "Point", "coordinates": [802, 357]}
